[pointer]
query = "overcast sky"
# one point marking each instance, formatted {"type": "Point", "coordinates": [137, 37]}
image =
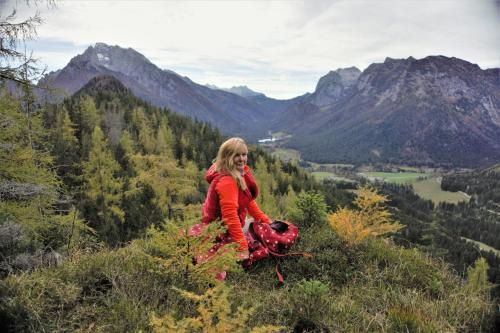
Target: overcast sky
{"type": "Point", "coordinates": [280, 48]}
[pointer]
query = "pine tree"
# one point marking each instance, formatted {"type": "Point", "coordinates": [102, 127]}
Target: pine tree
{"type": "Point", "coordinates": [164, 140]}
{"type": "Point", "coordinates": [266, 199]}
{"type": "Point", "coordinates": [477, 277]}
{"type": "Point", "coordinates": [87, 119]}
{"type": "Point", "coordinates": [288, 204]}
{"type": "Point", "coordinates": [124, 153]}
{"type": "Point", "coordinates": [103, 188]}
{"type": "Point", "coordinates": [215, 316]}
{"type": "Point", "coordinates": [29, 187]}
{"type": "Point", "coordinates": [65, 146]}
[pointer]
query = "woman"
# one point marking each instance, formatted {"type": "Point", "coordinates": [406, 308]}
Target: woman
{"type": "Point", "coordinates": [232, 192]}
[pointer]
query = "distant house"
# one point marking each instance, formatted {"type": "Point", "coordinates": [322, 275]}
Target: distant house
{"type": "Point", "coordinates": [267, 140]}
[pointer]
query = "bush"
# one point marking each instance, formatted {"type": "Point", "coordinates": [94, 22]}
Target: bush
{"type": "Point", "coordinates": [215, 314]}
{"type": "Point", "coordinates": [369, 220]}
{"type": "Point", "coordinates": [310, 209]}
{"type": "Point", "coordinates": [310, 302]}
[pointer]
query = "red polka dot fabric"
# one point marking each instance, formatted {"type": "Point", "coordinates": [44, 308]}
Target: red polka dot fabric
{"type": "Point", "coordinates": [264, 239]}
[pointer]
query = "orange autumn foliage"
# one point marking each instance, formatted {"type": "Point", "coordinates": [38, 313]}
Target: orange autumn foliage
{"type": "Point", "coordinates": [370, 219]}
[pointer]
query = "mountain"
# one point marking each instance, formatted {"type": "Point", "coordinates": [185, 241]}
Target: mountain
{"type": "Point", "coordinates": [435, 111]}
{"type": "Point", "coordinates": [230, 112]}
{"type": "Point", "coordinates": [242, 91]}
{"type": "Point", "coordinates": [334, 85]}
{"type": "Point", "coordinates": [329, 90]}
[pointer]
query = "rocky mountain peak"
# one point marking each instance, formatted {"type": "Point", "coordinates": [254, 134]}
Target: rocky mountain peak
{"type": "Point", "coordinates": [343, 76]}
{"type": "Point", "coordinates": [243, 91]}
{"type": "Point", "coordinates": [333, 85]}
{"type": "Point", "coordinates": [114, 58]}
{"type": "Point", "coordinates": [451, 78]}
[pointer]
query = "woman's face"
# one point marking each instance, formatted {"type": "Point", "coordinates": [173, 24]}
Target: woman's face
{"type": "Point", "coordinates": [240, 160]}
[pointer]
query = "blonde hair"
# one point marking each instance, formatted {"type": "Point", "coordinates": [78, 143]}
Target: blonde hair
{"type": "Point", "coordinates": [225, 159]}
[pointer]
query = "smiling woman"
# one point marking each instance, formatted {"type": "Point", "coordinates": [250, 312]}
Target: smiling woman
{"type": "Point", "coordinates": [232, 192]}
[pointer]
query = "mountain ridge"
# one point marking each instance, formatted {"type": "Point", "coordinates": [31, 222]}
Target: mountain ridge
{"type": "Point", "coordinates": [432, 111]}
{"type": "Point", "coordinates": [436, 110]}
{"type": "Point", "coordinates": [233, 114]}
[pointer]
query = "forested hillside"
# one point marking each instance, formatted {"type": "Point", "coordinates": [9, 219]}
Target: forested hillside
{"type": "Point", "coordinates": [96, 195]}
{"type": "Point", "coordinates": [483, 184]}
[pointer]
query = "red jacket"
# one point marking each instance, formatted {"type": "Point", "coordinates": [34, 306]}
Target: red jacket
{"type": "Point", "coordinates": [226, 201]}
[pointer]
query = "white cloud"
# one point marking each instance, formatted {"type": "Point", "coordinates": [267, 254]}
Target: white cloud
{"type": "Point", "coordinates": [278, 47]}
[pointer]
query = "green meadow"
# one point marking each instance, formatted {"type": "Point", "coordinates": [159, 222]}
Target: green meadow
{"type": "Point", "coordinates": [425, 185]}
{"type": "Point", "coordinates": [431, 189]}
{"type": "Point", "coordinates": [285, 154]}
{"type": "Point", "coordinates": [321, 175]}
{"type": "Point", "coordinates": [396, 177]}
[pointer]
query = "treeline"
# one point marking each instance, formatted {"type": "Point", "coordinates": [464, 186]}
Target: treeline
{"type": "Point", "coordinates": [483, 185]}
{"type": "Point", "coordinates": [473, 221]}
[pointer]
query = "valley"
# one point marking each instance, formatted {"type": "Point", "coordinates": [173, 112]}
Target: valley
{"type": "Point", "coordinates": [426, 182]}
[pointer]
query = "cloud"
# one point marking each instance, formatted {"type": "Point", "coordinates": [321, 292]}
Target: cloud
{"type": "Point", "coordinates": [278, 47]}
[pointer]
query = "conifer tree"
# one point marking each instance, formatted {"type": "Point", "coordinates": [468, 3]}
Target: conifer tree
{"type": "Point", "coordinates": [266, 199]}
{"type": "Point", "coordinates": [87, 119]}
{"type": "Point", "coordinates": [124, 152]}
{"type": "Point", "coordinates": [370, 219]}
{"type": "Point", "coordinates": [29, 186]}
{"type": "Point", "coordinates": [65, 146]}
{"type": "Point", "coordinates": [103, 188]}
{"type": "Point", "coordinates": [164, 139]}
{"type": "Point", "coordinates": [288, 204]}
{"type": "Point", "coordinates": [477, 277]}
{"type": "Point", "coordinates": [158, 184]}
{"type": "Point", "coordinates": [143, 131]}
{"type": "Point", "coordinates": [161, 175]}
{"type": "Point", "coordinates": [215, 315]}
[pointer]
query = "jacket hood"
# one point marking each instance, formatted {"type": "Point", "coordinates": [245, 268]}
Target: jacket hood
{"type": "Point", "coordinates": [212, 172]}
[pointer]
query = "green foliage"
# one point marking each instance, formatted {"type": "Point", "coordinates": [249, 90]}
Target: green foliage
{"type": "Point", "coordinates": [215, 316]}
{"type": "Point", "coordinates": [103, 188]}
{"type": "Point", "coordinates": [484, 183]}
{"type": "Point", "coordinates": [23, 140]}
{"type": "Point", "coordinates": [65, 146]}
{"type": "Point", "coordinates": [88, 292]}
{"type": "Point", "coordinates": [176, 250]}
{"type": "Point", "coordinates": [287, 204]}
{"type": "Point", "coordinates": [309, 300]}
{"type": "Point", "coordinates": [310, 209]}
{"type": "Point", "coordinates": [29, 191]}
{"type": "Point", "coordinates": [86, 116]}
{"type": "Point", "coordinates": [267, 186]}
{"type": "Point", "coordinates": [402, 289]}
{"type": "Point", "coordinates": [477, 277]}
{"type": "Point", "coordinates": [115, 288]}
